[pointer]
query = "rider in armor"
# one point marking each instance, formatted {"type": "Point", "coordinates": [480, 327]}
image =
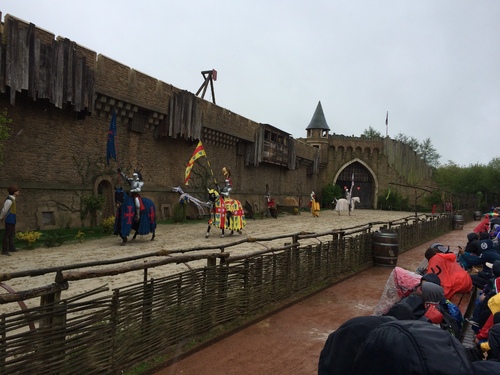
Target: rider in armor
{"type": "Point", "coordinates": [347, 194]}
{"type": "Point", "coordinates": [136, 184]}
{"type": "Point", "coordinates": [227, 182]}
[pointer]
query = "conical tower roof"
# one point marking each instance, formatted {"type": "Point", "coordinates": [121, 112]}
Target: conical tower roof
{"type": "Point", "coordinates": [318, 120]}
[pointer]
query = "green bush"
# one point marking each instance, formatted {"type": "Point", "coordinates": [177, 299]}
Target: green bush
{"type": "Point", "coordinates": [28, 238]}
{"type": "Point", "coordinates": [329, 193]}
{"type": "Point", "coordinates": [108, 224]}
{"type": "Point", "coordinates": [179, 214]}
{"type": "Point", "coordinates": [54, 239]}
{"type": "Point", "coordinates": [393, 201]}
{"type": "Point", "coordinates": [433, 198]}
{"type": "Point", "coordinates": [91, 205]}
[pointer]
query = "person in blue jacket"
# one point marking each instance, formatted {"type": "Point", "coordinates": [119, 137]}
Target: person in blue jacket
{"type": "Point", "coordinates": [478, 253]}
{"type": "Point", "coordinates": [8, 216]}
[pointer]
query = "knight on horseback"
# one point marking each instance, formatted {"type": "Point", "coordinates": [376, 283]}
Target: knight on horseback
{"type": "Point", "coordinates": [227, 213]}
{"type": "Point", "coordinates": [347, 195]}
{"type": "Point", "coordinates": [136, 183]}
{"type": "Point", "coordinates": [226, 190]}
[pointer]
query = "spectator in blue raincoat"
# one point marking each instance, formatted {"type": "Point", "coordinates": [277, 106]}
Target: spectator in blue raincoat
{"type": "Point", "coordinates": [478, 253]}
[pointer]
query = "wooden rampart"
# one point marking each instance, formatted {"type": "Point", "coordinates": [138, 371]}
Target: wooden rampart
{"type": "Point", "coordinates": [98, 332]}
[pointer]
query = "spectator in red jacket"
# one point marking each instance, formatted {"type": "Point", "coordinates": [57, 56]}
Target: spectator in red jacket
{"type": "Point", "coordinates": [454, 279]}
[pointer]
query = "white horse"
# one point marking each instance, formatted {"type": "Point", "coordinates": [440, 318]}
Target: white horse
{"type": "Point", "coordinates": [343, 204]}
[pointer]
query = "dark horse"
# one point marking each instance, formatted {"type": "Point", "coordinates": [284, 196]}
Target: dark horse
{"type": "Point", "coordinates": [125, 219]}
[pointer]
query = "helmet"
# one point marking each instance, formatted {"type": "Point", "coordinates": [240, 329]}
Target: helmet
{"type": "Point", "coordinates": [439, 247]}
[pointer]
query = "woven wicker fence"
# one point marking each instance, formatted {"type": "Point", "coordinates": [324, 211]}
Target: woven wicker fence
{"type": "Point", "coordinates": [95, 334]}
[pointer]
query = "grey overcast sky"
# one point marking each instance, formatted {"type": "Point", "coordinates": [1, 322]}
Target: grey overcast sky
{"type": "Point", "coordinates": [434, 65]}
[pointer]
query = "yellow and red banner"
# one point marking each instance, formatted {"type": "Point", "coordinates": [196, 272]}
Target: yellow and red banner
{"type": "Point", "coordinates": [199, 151]}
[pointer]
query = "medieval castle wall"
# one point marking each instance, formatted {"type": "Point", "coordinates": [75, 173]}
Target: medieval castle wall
{"type": "Point", "coordinates": [60, 97]}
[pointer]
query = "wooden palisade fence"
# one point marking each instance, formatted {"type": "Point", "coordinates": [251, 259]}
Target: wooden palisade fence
{"type": "Point", "coordinates": [100, 333]}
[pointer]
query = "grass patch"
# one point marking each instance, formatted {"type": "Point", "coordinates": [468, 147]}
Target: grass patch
{"type": "Point", "coordinates": [57, 237]}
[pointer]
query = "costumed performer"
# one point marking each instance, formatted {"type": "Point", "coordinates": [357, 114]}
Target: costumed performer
{"type": "Point", "coordinates": [136, 183]}
{"type": "Point", "coordinates": [315, 208]}
{"type": "Point", "coordinates": [226, 190]}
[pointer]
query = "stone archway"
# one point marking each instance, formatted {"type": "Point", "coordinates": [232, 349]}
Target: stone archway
{"type": "Point", "coordinates": [105, 188]}
{"type": "Point", "coordinates": [365, 182]}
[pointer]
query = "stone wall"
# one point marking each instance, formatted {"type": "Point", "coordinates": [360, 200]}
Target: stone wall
{"type": "Point", "coordinates": [56, 152]}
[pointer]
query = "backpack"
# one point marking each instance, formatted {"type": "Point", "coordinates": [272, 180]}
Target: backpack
{"type": "Point", "coordinates": [435, 313]}
{"type": "Point", "coordinates": [450, 324]}
{"type": "Point", "coordinates": [455, 312]}
{"type": "Point", "coordinates": [416, 305]}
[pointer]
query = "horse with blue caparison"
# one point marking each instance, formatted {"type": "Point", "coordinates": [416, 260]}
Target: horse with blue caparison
{"type": "Point", "coordinates": [126, 219]}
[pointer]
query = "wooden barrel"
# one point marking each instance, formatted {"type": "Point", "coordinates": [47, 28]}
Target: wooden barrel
{"type": "Point", "coordinates": [477, 215]}
{"type": "Point", "coordinates": [458, 222]}
{"type": "Point", "coordinates": [385, 249]}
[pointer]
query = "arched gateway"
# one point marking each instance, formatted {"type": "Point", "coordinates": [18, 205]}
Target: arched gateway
{"type": "Point", "coordinates": [365, 182]}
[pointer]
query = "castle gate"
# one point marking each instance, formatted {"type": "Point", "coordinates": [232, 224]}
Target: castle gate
{"type": "Point", "coordinates": [364, 182]}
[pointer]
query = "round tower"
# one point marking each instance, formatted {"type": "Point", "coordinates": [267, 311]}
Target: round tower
{"type": "Point", "coordinates": [318, 129]}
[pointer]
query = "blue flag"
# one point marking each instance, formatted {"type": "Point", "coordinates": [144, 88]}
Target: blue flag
{"type": "Point", "coordinates": [110, 150]}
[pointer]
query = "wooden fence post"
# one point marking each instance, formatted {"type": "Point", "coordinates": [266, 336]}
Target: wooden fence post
{"type": "Point", "coordinates": [296, 267]}
{"type": "Point", "coordinates": [115, 301]}
{"type": "Point", "coordinates": [3, 345]}
{"type": "Point", "coordinates": [208, 298]}
{"type": "Point", "coordinates": [147, 308]}
{"type": "Point", "coordinates": [246, 287]}
{"type": "Point", "coordinates": [318, 257]}
{"type": "Point", "coordinates": [54, 321]}
{"type": "Point", "coordinates": [222, 280]}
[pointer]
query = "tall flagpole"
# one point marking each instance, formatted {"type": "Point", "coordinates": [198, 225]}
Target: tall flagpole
{"type": "Point", "coordinates": [350, 193]}
{"type": "Point", "coordinates": [387, 124]}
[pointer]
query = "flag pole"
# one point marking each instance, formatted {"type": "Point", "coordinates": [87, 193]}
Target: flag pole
{"type": "Point", "coordinates": [212, 172]}
{"type": "Point", "coordinates": [387, 124]}
{"type": "Point", "coordinates": [350, 193]}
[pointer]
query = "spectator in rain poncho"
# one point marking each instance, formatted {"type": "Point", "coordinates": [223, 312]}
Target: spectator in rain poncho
{"type": "Point", "coordinates": [454, 279]}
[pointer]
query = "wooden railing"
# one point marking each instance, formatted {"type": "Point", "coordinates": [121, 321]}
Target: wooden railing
{"type": "Point", "coordinates": [99, 332]}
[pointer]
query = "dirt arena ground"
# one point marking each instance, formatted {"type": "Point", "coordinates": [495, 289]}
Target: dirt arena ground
{"type": "Point", "coordinates": [168, 237]}
{"type": "Point", "coordinates": [272, 339]}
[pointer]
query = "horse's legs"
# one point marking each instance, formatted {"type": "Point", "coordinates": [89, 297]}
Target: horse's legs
{"type": "Point", "coordinates": [135, 227]}
{"type": "Point", "coordinates": [124, 241]}
{"type": "Point", "coordinates": [229, 217]}
{"type": "Point", "coordinates": [153, 236]}
{"type": "Point", "coordinates": [208, 231]}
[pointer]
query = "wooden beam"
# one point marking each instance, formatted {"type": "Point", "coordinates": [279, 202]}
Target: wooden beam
{"type": "Point", "coordinates": [31, 293]}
